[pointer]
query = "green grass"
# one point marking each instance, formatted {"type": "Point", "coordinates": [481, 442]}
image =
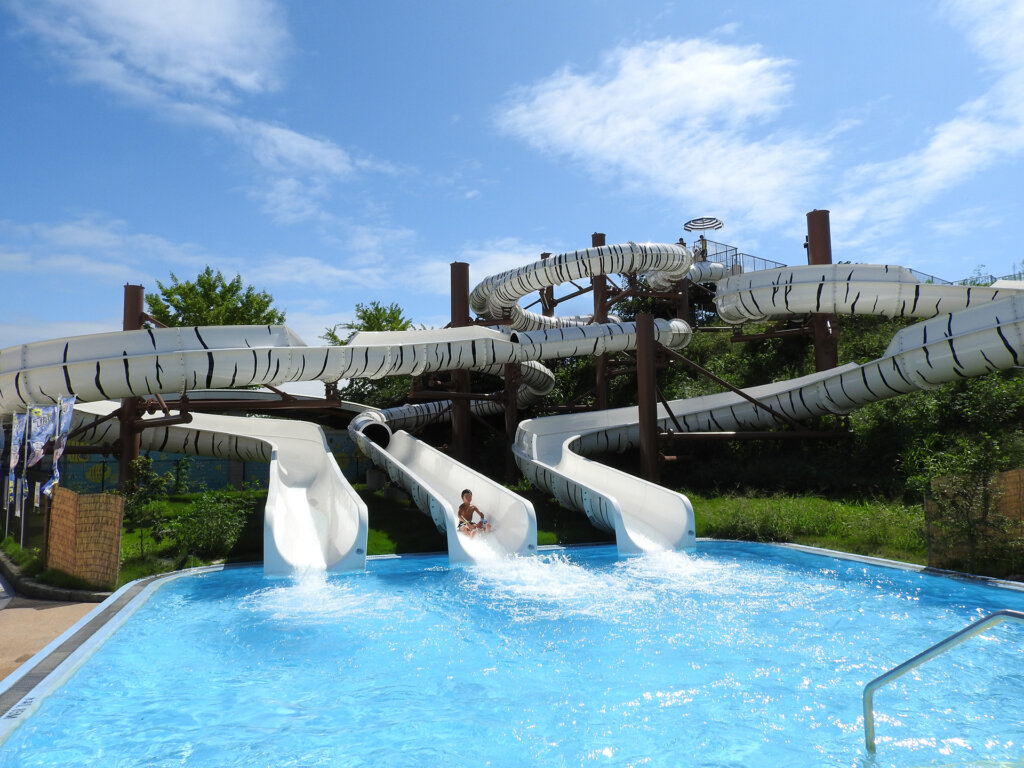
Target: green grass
{"type": "Point", "coordinates": [30, 563]}
{"type": "Point", "coordinates": [556, 524]}
{"type": "Point", "coordinates": [879, 528]}
{"type": "Point", "coordinates": [397, 526]}
{"type": "Point", "coordinates": [28, 560]}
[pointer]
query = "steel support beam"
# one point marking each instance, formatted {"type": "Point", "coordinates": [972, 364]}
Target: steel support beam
{"type": "Point", "coordinates": [824, 327]}
{"type": "Point", "coordinates": [462, 438]}
{"type": "Point", "coordinates": [130, 412]}
{"type": "Point", "coordinates": [647, 397]}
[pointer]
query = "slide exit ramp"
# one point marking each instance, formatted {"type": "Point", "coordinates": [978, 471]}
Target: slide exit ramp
{"type": "Point", "coordinates": [314, 520]}
{"type": "Point", "coordinates": [435, 482]}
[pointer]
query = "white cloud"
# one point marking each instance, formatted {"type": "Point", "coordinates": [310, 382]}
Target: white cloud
{"type": "Point", "coordinates": [281, 149]}
{"type": "Point", "coordinates": [986, 130]}
{"type": "Point", "coordinates": [192, 61]}
{"type": "Point", "coordinates": [682, 119]}
{"type": "Point", "coordinates": [194, 48]}
{"type": "Point", "coordinates": [91, 247]}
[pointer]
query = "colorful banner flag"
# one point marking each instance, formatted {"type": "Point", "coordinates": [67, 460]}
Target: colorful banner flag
{"type": "Point", "coordinates": [65, 410]}
{"type": "Point", "coordinates": [18, 426]}
{"type": "Point", "coordinates": [41, 428]}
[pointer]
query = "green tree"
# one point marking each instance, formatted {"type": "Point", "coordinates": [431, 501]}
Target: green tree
{"type": "Point", "coordinates": [212, 300]}
{"type": "Point", "coordinates": [212, 524]}
{"type": "Point", "coordinates": [142, 488]}
{"type": "Point", "coordinates": [380, 393]}
{"type": "Point", "coordinates": [369, 317]}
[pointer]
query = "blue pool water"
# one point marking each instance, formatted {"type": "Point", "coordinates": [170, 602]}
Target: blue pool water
{"type": "Point", "coordinates": [736, 655]}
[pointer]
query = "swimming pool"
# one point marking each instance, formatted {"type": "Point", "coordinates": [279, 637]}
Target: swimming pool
{"type": "Point", "coordinates": [736, 655]}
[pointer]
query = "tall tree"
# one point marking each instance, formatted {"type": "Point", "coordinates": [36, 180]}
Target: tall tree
{"type": "Point", "coordinates": [380, 393]}
{"type": "Point", "coordinates": [212, 300]}
{"type": "Point", "coordinates": [369, 317]}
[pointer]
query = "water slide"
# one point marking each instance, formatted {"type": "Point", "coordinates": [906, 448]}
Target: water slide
{"type": "Point", "coordinates": [313, 520]}
{"type": "Point", "coordinates": [313, 516]}
{"type": "Point", "coordinates": [972, 331]}
{"type": "Point", "coordinates": [969, 331]}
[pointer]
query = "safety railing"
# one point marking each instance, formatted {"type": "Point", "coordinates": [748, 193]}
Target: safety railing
{"type": "Point", "coordinates": [936, 650]}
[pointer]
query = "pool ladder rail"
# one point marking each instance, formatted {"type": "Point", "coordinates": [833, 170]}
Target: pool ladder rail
{"type": "Point", "coordinates": [936, 650]}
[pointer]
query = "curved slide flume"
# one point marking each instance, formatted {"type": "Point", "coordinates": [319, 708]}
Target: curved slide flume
{"type": "Point", "coordinates": [313, 519]}
{"type": "Point", "coordinates": [102, 367]}
{"type": "Point", "coordinates": [970, 331]}
{"type": "Point", "coordinates": [643, 516]}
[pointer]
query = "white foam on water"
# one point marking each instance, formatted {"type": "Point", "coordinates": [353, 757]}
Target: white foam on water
{"type": "Point", "coordinates": [316, 597]}
{"type": "Point", "coordinates": [553, 586]}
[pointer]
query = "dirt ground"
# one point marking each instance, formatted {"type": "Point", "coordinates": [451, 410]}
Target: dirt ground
{"type": "Point", "coordinates": [26, 626]}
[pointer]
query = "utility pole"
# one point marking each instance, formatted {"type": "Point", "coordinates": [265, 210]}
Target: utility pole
{"type": "Point", "coordinates": [128, 444]}
{"type": "Point", "coordinates": [824, 327]}
{"type": "Point", "coordinates": [461, 422]}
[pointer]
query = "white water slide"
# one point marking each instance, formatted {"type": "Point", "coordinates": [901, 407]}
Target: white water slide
{"type": "Point", "coordinates": [315, 517]}
{"type": "Point", "coordinates": [971, 331]}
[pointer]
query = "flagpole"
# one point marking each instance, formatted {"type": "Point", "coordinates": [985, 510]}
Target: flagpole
{"type": "Point", "coordinates": [24, 472]}
{"type": "Point", "coordinates": [7, 484]}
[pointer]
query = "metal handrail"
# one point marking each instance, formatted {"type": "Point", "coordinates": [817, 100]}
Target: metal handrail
{"type": "Point", "coordinates": [936, 650]}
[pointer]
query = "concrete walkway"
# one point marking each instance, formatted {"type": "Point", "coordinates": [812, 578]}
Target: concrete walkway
{"type": "Point", "coordinates": [27, 626]}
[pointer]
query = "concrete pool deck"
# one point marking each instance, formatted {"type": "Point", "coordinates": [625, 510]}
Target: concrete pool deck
{"type": "Point", "coordinates": [28, 626]}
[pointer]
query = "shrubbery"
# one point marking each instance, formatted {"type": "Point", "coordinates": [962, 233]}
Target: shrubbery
{"type": "Point", "coordinates": [211, 525]}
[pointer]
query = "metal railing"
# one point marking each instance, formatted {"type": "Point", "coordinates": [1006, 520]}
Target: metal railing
{"type": "Point", "coordinates": [729, 256]}
{"type": "Point", "coordinates": [936, 650]}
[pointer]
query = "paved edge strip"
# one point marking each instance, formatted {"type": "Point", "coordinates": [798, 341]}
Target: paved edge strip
{"type": "Point", "coordinates": [24, 685]}
{"type": "Point", "coordinates": [23, 691]}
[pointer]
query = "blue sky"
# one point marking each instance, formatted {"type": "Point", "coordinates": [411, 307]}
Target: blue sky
{"type": "Point", "coordinates": [343, 152]}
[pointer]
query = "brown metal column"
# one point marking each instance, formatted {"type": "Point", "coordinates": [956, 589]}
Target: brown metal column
{"type": "Point", "coordinates": [647, 397]}
{"type": "Point", "coordinates": [681, 305]}
{"type": "Point", "coordinates": [825, 327]}
{"type": "Point", "coordinates": [600, 286]}
{"type": "Point", "coordinates": [461, 430]}
{"type": "Point", "coordinates": [513, 377]}
{"type": "Point", "coordinates": [547, 294]}
{"type": "Point", "coordinates": [128, 447]}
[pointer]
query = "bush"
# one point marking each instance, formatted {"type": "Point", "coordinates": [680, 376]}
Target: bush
{"type": "Point", "coordinates": [28, 560]}
{"type": "Point", "coordinates": [212, 524]}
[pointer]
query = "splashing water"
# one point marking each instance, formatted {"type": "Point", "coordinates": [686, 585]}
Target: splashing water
{"type": "Point", "coordinates": [738, 654]}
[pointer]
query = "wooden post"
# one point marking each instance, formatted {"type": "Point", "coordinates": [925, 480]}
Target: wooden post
{"type": "Point", "coordinates": [600, 290]}
{"type": "Point", "coordinates": [825, 327]}
{"type": "Point", "coordinates": [128, 442]}
{"type": "Point", "coordinates": [513, 378]}
{"type": "Point", "coordinates": [462, 437]}
{"type": "Point", "coordinates": [647, 397]}
{"type": "Point", "coordinates": [547, 294]}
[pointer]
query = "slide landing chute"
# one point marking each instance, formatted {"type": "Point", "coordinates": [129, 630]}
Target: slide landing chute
{"type": "Point", "coordinates": [314, 520]}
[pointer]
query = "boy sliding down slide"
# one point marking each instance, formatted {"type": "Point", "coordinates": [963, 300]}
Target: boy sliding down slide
{"type": "Point", "coordinates": [466, 510]}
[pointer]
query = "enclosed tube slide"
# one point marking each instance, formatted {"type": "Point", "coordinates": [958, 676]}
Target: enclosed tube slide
{"type": "Point", "coordinates": [971, 331]}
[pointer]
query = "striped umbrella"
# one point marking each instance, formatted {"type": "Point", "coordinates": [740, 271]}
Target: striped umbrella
{"type": "Point", "coordinates": [703, 223]}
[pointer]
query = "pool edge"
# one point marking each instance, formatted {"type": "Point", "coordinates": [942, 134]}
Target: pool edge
{"type": "Point", "coordinates": [23, 690]}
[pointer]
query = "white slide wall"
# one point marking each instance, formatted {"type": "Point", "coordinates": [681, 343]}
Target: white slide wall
{"type": "Point", "coordinates": [436, 482]}
{"type": "Point", "coordinates": [982, 331]}
{"type": "Point", "coordinates": [314, 520]}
